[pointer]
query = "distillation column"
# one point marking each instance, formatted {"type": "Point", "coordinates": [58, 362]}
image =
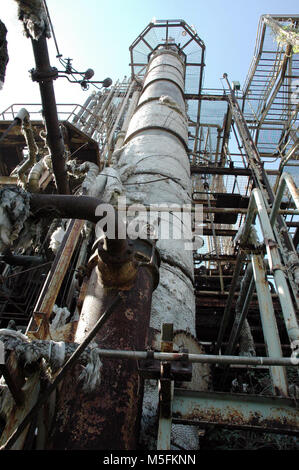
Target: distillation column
{"type": "Point", "coordinates": [154, 165]}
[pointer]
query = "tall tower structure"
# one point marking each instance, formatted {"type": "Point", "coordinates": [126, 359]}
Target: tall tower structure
{"type": "Point", "coordinates": [129, 331]}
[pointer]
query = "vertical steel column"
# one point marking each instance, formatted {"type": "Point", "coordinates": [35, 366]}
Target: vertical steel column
{"type": "Point", "coordinates": [242, 307]}
{"type": "Point", "coordinates": [277, 268]}
{"type": "Point", "coordinates": [257, 206]}
{"type": "Point", "coordinates": [270, 330]}
{"type": "Point", "coordinates": [228, 307]}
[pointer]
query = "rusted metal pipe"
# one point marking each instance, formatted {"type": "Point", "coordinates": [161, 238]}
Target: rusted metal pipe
{"type": "Point", "coordinates": [21, 260]}
{"type": "Point", "coordinates": [199, 358]}
{"type": "Point", "coordinates": [44, 74]}
{"type": "Point", "coordinates": [64, 206]}
{"type": "Point", "coordinates": [114, 407]}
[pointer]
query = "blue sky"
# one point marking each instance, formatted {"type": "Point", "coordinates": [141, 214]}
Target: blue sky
{"type": "Point", "coordinates": [98, 34]}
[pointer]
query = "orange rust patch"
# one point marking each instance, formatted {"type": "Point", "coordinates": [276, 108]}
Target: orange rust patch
{"type": "Point", "coordinates": [129, 314]}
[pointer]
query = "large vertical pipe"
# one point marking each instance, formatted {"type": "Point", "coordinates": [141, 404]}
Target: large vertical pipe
{"type": "Point", "coordinates": [108, 417]}
{"type": "Point", "coordinates": [122, 133]}
{"type": "Point", "coordinates": [270, 330]}
{"type": "Point", "coordinates": [155, 152]}
{"type": "Point", "coordinates": [44, 74]}
{"type": "Point", "coordinates": [155, 168]}
{"type": "Point", "coordinates": [281, 284]}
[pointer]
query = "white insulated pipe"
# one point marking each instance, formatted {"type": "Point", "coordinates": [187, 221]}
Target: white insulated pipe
{"type": "Point", "coordinates": [122, 133]}
{"type": "Point", "coordinates": [155, 148]}
{"type": "Point", "coordinates": [154, 168]}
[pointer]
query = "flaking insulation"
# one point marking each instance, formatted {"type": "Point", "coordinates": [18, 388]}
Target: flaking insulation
{"type": "Point", "coordinates": [154, 169]}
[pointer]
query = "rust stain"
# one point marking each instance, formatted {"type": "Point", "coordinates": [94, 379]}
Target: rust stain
{"type": "Point", "coordinates": [54, 281]}
{"type": "Point", "coordinates": [129, 313]}
{"type": "Point", "coordinates": [107, 418]}
{"type": "Point", "coordinates": [233, 417]}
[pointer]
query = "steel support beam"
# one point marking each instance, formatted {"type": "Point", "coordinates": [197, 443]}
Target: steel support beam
{"type": "Point", "coordinates": [262, 183]}
{"type": "Point", "coordinates": [39, 324]}
{"type": "Point", "coordinates": [257, 207]}
{"type": "Point", "coordinates": [227, 312]}
{"type": "Point", "coordinates": [255, 413]}
{"type": "Point", "coordinates": [270, 330]}
{"type": "Point", "coordinates": [214, 170]}
{"type": "Point", "coordinates": [242, 306]}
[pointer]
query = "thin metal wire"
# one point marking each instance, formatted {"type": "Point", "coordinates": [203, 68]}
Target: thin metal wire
{"type": "Point", "coordinates": [29, 269]}
{"type": "Point", "coordinates": [51, 27]}
{"type": "Point", "coordinates": [59, 55]}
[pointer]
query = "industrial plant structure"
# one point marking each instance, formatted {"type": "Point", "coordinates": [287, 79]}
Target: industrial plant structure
{"type": "Point", "coordinates": [149, 262]}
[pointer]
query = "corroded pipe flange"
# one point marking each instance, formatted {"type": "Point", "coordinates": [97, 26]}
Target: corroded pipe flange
{"type": "Point", "coordinates": [118, 261]}
{"type": "Point", "coordinates": [147, 254]}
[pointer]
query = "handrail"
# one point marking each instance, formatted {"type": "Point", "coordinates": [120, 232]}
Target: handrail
{"type": "Point", "coordinates": [12, 111]}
